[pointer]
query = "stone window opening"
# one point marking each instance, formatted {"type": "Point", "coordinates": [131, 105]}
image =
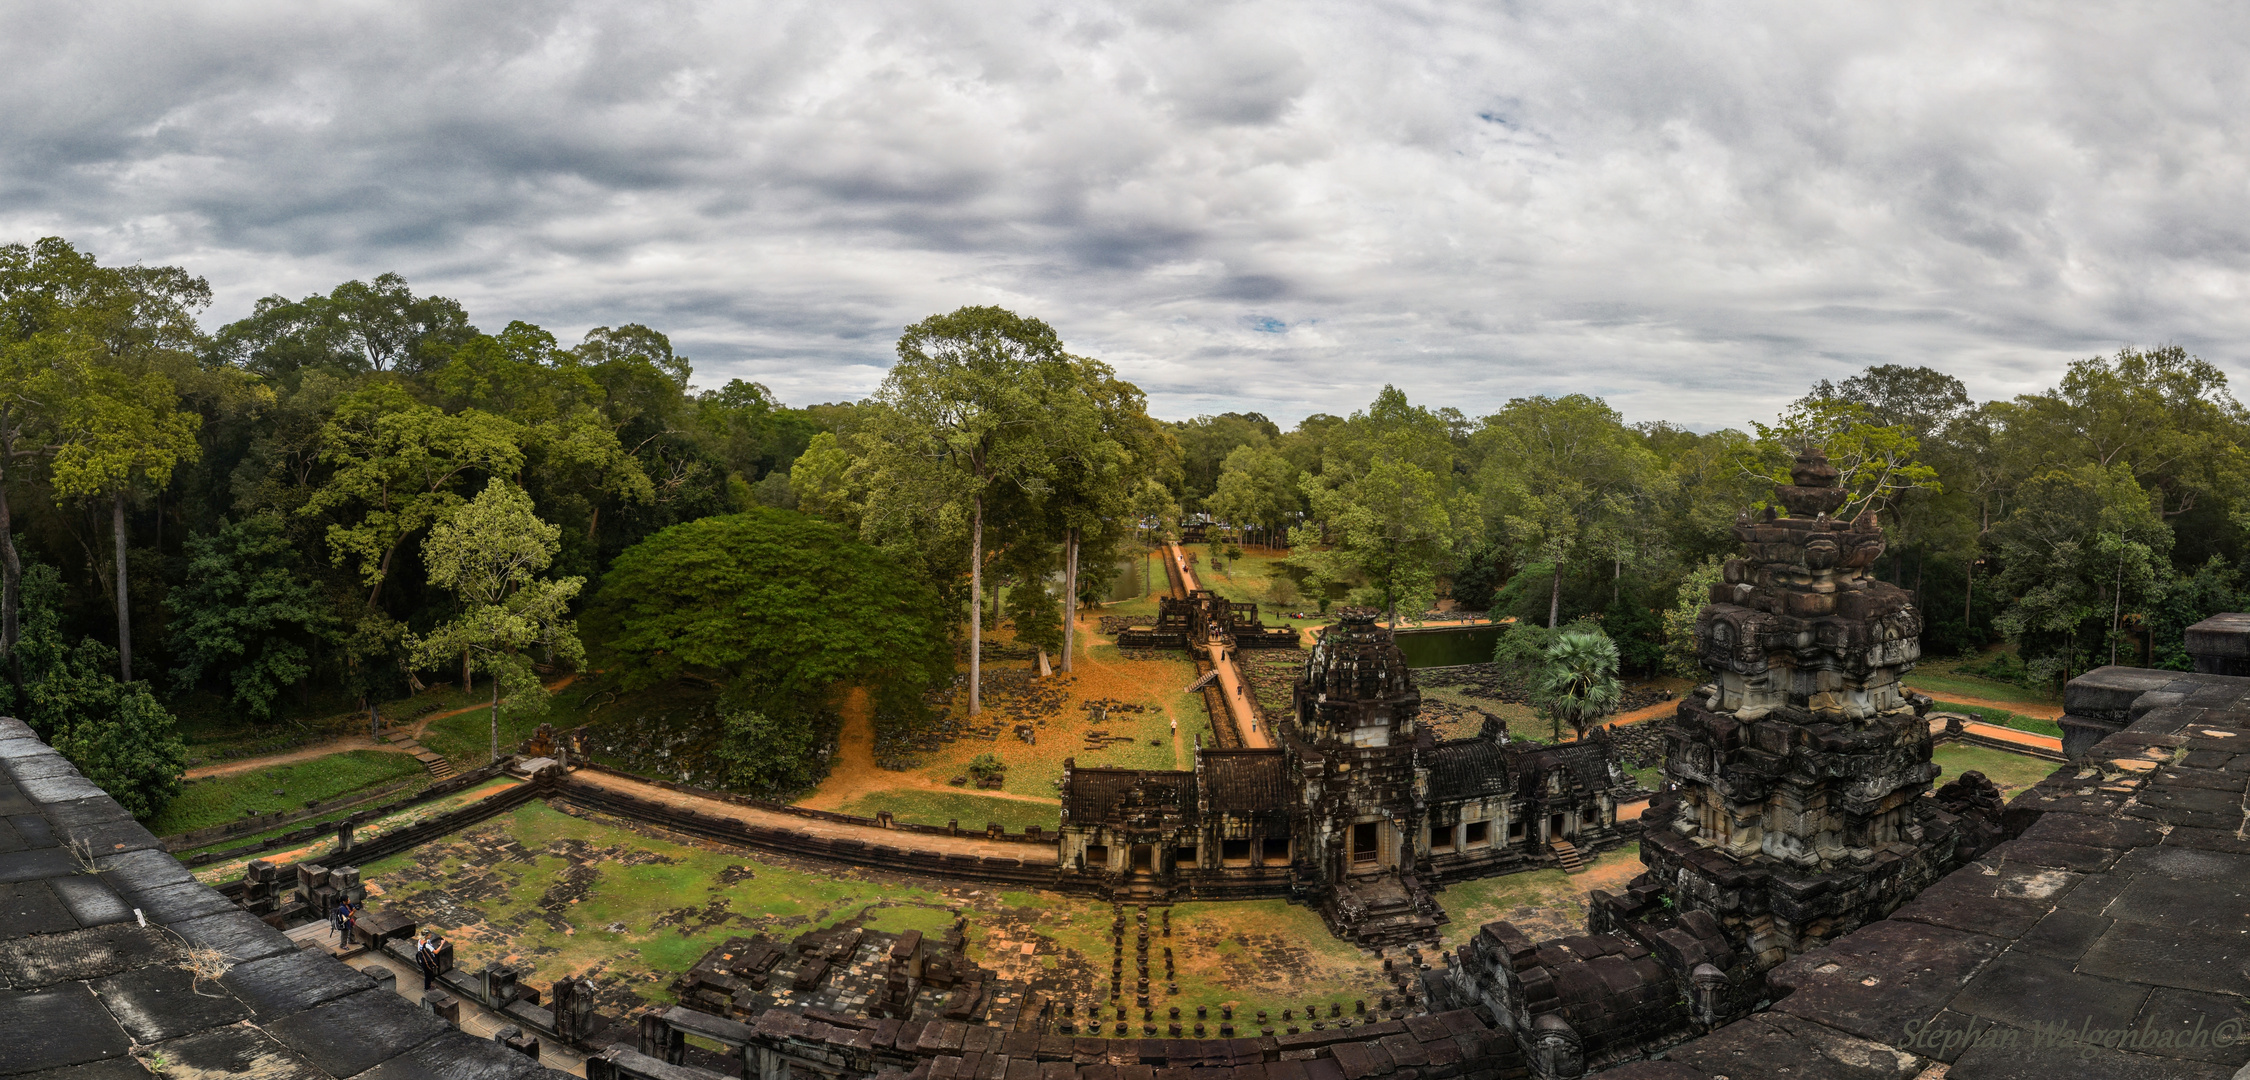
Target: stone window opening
{"type": "Point", "coordinates": [1441, 838]}
{"type": "Point", "coordinates": [1277, 851]}
{"type": "Point", "coordinates": [1184, 855]}
{"type": "Point", "coordinates": [1097, 855]}
{"type": "Point", "coordinates": [1515, 830]}
{"type": "Point", "coordinates": [1234, 852]}
{"type": "Point", "coordinates": [1477, 833]}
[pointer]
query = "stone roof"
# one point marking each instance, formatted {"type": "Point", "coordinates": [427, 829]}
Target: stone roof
{"type": "Point", "coordinates": [1246, 781]}
{"type": "Point", "coordinates": [1468, 769]}
{"type": "Point", "coordinates": [2125, 907]}
{"type": "Point", "coordinates": [1095, 794]}
{"type": "Point", "coordinates": [91, 963]}
{"type": "Point", "coordinates": [1587, 762]}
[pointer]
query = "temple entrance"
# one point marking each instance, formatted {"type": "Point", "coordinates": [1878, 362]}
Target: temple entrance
{"type": "Point", "coordinates": [1366, 843]}
{"type": "Point", "coordinates": [1555, 827]}
{"type": "Point", "coordinates": [1144, 858]}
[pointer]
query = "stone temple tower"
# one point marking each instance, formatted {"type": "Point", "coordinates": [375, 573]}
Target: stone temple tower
{"type": "Point", "coordinates": [1798, 773]}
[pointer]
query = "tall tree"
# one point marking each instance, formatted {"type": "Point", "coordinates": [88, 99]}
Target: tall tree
{"type": "Point", "coordinates": [125, 425]}
{"type": "Point", "coordinates": [1563, 477]}
{"type": "Point", "coordinates": [489, 553]}
{"type": "Point", "coordinates": [967, 407]}
{"type": "Point", "coordinates": [1388, 503]}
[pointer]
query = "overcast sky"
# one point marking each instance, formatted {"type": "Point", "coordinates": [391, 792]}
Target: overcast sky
{"type": "Point", "coordinates": [1693, 210]}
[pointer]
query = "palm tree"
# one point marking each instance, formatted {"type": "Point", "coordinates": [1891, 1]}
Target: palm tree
{"type": "Point", "coordinates": [1578, 683]}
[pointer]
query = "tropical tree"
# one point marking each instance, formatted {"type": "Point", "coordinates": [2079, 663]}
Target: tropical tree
{"type": "Point", "coordinates": [248, 611]}
{"type": "Point", "coordinates": [489, 553]}
{"type": "Point", "coordinates": [398, 462]}
{"type": "Point", "coordinates": [1577, 681]}
{"type": "Point", "coordinates": [1563, 478]}
{"type": "Point", "coordinates": [967, 411]}
{"type": "Point", "coordinates": [782, 609]}
{"type": "Point", "coordinates": [2080, 541]}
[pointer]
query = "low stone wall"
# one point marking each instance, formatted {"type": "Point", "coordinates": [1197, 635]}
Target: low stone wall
{"type": "Point", "coordinates": [439, 790]}
{"type": "Point", "coordinates": [727, 830]}
{"type": "Point", "coordinates": [414, 836]}
{"type": "Point", "coordinates": [1031, 835]}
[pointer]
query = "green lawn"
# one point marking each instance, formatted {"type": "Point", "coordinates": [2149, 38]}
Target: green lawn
{"type": "Point", "coordinates": [219, 799]}
{"type": "Point", "coordinates": [1938, 678]}
{"type": "Point", "coordinates": [2010, 772]}
{"type": "Point", "coordinates": [2003, 718]}
{"type": "Point", "coordinates": [971, 810]}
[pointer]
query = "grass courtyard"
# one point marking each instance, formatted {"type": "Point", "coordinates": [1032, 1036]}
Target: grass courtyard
{"type": "Point", "coordinates": [564, 894]}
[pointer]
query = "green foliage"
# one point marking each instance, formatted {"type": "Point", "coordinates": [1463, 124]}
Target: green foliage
{"type": "Point", "coordinates": [489, 553]}
{"type": "Point", "coordinates": [986, 767]}
{"type": "Point", "coordinates": [760, 752]}
{"type": "Point", "coordinates": [1563, 479]}
{"type": "Point", "coordinates": [247, 613]}
{"type": "Point", "coordinates": [1681, 655]}
{"type": "Point", "coordinates": [2079, 541]}
{"type": "Point", "coordinates": [117, 734]}
{"type": "Point", "coordinates": [1037, 614]}
{"type": "Point", "coordinates": [1577, 682]}
{"type": "Point", "coordinates": [1875, 463]}
{"type": "Point", "coordinates": [1392, 511]}
{"type": "Point", "coordinates": [783, 604]}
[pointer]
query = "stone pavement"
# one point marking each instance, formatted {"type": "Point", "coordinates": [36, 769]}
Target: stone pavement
{"type": "Point", "coordinates": [115, 962]}
{"type": "Point", "coordinates": [2111, 939]}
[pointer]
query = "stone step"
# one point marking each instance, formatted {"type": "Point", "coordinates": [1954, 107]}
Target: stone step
{"type": "Point", "coordinates": [1566, 853]}
{"type": "Point", "coordinates": [437, 766]}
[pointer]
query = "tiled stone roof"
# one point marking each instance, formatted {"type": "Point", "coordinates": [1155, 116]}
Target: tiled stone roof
{"type": "Point", "coordinates": [88, 989]}
{"type": "Point", "coordinates": [1246, 781]}
{"type": "Point", "coordinates": [1468, 769]}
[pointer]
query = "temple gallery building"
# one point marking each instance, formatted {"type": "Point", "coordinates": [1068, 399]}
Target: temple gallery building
{"type": "Point", "coordinates": [1355, 812]}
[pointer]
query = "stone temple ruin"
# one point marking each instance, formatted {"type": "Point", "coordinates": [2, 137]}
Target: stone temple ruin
{"type": "Point", "coordinates": [1356, 811]}
{"type": "Point", "coordinates": [1798, 806]}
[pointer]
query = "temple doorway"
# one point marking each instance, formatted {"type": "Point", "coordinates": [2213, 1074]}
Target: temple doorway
{"type": "Point", "coordinates": [1366, 843]}
{"type": "Point", "coordinates": [1144, 858]}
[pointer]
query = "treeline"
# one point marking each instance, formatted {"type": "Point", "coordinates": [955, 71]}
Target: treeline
{"type": "Point", "coordinates": [2090, 521]}
{"type": "Point", "coordinates": [234, 522]}
{"type": "Point", "coordinates": [306, 510]}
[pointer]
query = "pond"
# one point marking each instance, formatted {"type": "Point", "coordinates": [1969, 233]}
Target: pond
{"type": "Point", "coordinates": [1447, 646]}
{"type": "Point", "coordinates": [1128, 582]}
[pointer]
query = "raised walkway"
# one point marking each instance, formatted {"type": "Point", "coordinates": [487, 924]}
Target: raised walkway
{"type": "Point", "coordinates": [1232, 688]}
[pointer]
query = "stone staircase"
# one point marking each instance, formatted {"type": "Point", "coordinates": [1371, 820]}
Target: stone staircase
{"type": "Point", "coordinates": [1382, 910]}
{"type": "Point", "coordinates": [432, 762]}
{"type": "Point", "coordinates": [1566, 853]}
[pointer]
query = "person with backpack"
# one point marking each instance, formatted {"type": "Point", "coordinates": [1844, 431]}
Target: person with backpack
{"type": "Point", "coordinates": [426, 958]}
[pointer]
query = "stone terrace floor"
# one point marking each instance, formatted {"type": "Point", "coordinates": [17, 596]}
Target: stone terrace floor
{"type": "Point", "coordinates": [2112, 939]}
{"type": "Point", "coordinates": [91, 991]}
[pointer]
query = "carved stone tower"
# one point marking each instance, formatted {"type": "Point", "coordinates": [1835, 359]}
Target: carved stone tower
{"type": "Point", "coordinates": [1798, 773]}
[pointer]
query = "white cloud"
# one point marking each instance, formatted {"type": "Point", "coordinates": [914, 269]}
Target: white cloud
{"type": "Point", "coordinates": [1691, 209]}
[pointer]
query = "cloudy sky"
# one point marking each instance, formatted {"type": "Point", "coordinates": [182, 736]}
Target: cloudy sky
{"type": "Point", "coordinates": [1690, 209]}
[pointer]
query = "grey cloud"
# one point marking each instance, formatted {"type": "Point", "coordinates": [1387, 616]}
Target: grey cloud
{"type": "Point", "coordinates": [1693, 209]}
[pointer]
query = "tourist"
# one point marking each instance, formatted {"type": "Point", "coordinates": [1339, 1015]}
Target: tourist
{"type": "Point", "coordinates": [336, 919]}
{"type": "Point", "coordinates": [351, 920]}
{"type": "Point", "coordinates": [426, 958]}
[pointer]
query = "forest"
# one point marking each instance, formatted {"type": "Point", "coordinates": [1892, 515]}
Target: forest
{"type": "Point", "coordinates": [344, 497]}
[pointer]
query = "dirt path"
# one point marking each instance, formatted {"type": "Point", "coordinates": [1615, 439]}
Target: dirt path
{"type": "Point", "coordinates": [302, 753]}
{"type": "Point", "coordinates": [350, 743]}
{"type": "Point", "coordinates": [855, 773]}
{"type": "Point", "coordinates": [424, 723]}
{"type": "Point", "coordinates": [943, 845]}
